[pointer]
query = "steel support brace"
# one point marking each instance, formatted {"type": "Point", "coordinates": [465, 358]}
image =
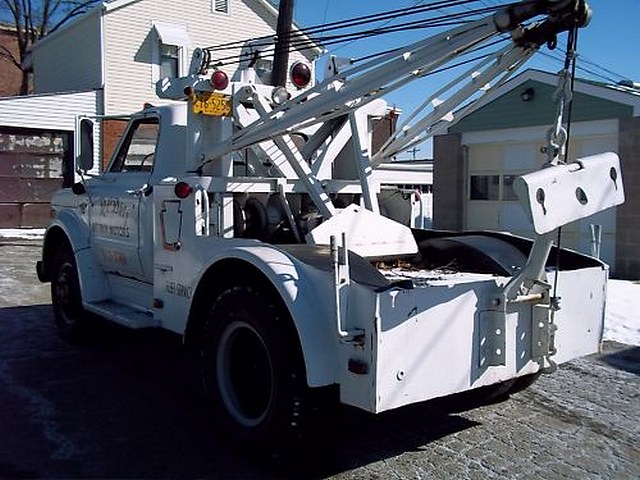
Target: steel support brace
{"type": "Point", "coordinates": [298, 164]}
{"type": "Point", "coordinates": [492, 341]}
{"type": "Point", "coordinates": [541, 332]}
{"type": "Point", "coordinates": [359, 121]}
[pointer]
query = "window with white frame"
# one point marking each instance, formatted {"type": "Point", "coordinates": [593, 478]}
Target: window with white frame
{"type": "Point", "coordinates": [170, 53]}
{"type": "Point", "coordinates": [220, 6]}
{"type": "Point", "coordinates": [169, 61]}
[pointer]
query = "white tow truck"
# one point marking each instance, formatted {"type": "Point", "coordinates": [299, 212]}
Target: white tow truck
{"type": "Point", "coordinates": [228, 218]}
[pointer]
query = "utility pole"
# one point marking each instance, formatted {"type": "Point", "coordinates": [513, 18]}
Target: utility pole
{"type": "Point", "coordinates": [283, 43]}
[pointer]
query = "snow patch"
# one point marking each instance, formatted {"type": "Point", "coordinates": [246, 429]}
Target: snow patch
{"type": "Point", "coordinates": [622, 314]}
{"type": "Point", "coordinates": [22, 233]}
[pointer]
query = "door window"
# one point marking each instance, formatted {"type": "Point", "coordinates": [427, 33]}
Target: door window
{"type": "Point", "coordinates": [137, 152]}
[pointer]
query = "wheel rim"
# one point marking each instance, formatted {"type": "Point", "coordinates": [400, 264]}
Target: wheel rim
{"type": "Point", "coordinates": [64, 297]}
{"type": "Point", "coordinates": [244, 374]}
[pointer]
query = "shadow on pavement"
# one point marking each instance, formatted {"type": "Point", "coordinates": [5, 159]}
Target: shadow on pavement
{"type": "Point", "coordinates": [130, 405]}
{"type": "Point", "coordinates": [622, 357]}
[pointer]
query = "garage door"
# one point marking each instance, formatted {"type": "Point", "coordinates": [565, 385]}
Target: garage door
{"type": "Point", "coordinates": [33, 165]}
{"type": "Point", "coordinates": [491, 202]}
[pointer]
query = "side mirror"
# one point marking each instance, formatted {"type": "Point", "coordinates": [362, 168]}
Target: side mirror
{"type": "Point", "coordinates": [85, 157]}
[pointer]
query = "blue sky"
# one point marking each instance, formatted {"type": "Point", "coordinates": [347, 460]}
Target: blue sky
{"type": "Point", "coordinates": [611, 41]}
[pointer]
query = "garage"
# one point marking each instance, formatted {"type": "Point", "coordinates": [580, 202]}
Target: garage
{"type": "Point", "coordinates": [504, 136]}
{"type": "Point", "coordinates": [33, 165]}
{"type": "Point", "coordinates": [36, 153]}
{"type": "Point", "coordinates": [491, 202]}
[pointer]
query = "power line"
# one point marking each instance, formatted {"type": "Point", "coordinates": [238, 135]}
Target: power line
{"type": "Point", "coordinates": [328, 34]}
{"type": "Point", "coordinates": [448, 20]}
{"type": "Point", "coordinates": [352, 22]}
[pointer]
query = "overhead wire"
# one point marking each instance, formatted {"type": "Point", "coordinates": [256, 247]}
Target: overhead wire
{"type": "Point", "coordinates": [448, 20]}
{"type": "Point", "coordinates": [415, 4]}
{"type": "Point", "coordinates": [352, 22]}
{"type": "Point", "coordinates": [304, 39]}
{"type": "Point", "coordinates": [589, 71]}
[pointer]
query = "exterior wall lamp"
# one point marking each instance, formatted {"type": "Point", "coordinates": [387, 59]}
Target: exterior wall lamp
{"type": "Point", "coordinates": [528, 94]}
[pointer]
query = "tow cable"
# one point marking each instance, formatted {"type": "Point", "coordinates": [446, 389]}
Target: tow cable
{"type": "Point", "coordinates": [557, 151]}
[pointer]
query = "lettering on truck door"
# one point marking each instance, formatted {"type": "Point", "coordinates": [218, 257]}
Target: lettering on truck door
{"type": "Point", "coordinates": [120, 204]}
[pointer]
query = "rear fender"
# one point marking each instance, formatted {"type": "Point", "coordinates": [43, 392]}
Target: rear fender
{"type": "Point", "coordinates": [305, 291]}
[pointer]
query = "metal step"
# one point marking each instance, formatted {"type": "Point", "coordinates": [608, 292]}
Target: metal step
{"type": "Point", "coordinates": [123, 314]}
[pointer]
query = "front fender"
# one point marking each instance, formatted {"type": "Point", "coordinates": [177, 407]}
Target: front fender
{"type": "Point", "coordinates": [67, 226]}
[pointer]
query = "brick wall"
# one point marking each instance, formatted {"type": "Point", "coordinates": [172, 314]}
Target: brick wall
{"type": "Point", "coordinates": [628, 214]}
{"type": "Point", "coordinates": [448, 182]}
{"type": "Point", "coordinates": [382, 130]}
{"type": "Point", "coordinates": [10, 75]}
{"type": "Point", "coordinates": [112, 131]}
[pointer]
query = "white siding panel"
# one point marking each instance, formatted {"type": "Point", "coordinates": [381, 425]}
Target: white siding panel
{"type": "Point", "coordinates": [71, 59]}
{"type": "Point", "coordinates": [49, 112]}
{"type": "Point", "coordinates": [130, 40]}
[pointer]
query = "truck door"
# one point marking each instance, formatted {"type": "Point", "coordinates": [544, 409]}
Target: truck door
{"type": "Point", "coordinates": [121, 204]}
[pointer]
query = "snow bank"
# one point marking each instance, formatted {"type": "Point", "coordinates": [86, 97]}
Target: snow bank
{"type": "Point", "coordinates": [622, 315]}
{"type": "Point", "coordinates": [22, 233]}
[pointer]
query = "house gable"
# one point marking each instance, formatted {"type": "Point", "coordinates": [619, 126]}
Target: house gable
{"type": "Point", "coordinates": [509, 110]}
{"type": "Point", "coordinates": [70, 60]}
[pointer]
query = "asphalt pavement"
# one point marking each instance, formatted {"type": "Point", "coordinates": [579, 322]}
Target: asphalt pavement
{"type": "Point", "coordinates": [129, 405]}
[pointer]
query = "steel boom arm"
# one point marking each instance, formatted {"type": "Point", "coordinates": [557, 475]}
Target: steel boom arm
{"type": "Point", "coordinates": [358, 85]}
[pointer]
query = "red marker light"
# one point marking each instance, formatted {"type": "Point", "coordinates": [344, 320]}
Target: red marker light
{"type": "Point", "coordinates": [300, 74]}
{"type": "Point", "coordinates": [219, 80]}
{"type": "Point", "coordinates": [182, 189]}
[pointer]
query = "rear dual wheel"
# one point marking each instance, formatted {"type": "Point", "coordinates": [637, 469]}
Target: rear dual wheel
{"type": "Point", "coordinates": [253, 372]}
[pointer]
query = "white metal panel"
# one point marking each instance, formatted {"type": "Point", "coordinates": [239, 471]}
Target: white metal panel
{"type": "Point", "coordinates": [171, 34]}
{"type": "Point", "coordinates": [50, 112]}
{"type": "Point", "coordinates": [70, 60]}
{"type": "Point", "coordinates": [368, 234]}
{"type": "Point", "coordinates": [429, 342]}
{"type": "Point", "coordinates": [580, 319]}
{"type": "Point", "coordinates": [561, 194]}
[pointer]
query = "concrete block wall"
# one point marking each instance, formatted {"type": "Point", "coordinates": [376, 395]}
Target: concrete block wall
{"type": "Point", "coordinates": [628, 215]}
{"type": "Point", "coordinates": [448, 182]}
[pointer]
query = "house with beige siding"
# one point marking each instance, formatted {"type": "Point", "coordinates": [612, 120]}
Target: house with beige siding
{"type": "Point", "coordinates": [107, 62]}
{"type": "Point", "coordinates": [121, 48]}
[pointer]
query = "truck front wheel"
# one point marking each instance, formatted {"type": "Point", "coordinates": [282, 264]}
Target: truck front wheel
{"type": "Point", "coordinates": [253, 371]}
{"type": "Point", "coordinates": [66, 298]}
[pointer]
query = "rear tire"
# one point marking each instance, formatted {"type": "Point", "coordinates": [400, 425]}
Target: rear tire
{"type": "Point", "coordinates": [253, 372]}
{"type": "Point", "coordinates": [71, 318]}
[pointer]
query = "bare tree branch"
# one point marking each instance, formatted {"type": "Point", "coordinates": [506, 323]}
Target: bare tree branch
{"type": "Point", "coordinates": [7, 55]}
{"type": "Point", "coordinates": [81, 8]}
